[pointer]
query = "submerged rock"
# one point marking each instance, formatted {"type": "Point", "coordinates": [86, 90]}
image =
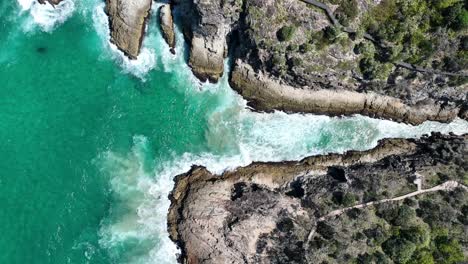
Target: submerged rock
{"type": "Point", "coordinates": [127, 22]}
{"type": "Point", "coordinates": [52, 2]}
{"type": "Point", "coordinates": [274, 212]}
{"type": "Point", "coordinates": [167, 25]}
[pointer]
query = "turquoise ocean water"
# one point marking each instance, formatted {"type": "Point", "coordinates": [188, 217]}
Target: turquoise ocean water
{"type": "Point", "coordinates": [90, 141]}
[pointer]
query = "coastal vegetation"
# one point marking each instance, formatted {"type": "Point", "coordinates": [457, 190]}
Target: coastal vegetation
{"type": "Point", "coordinates": [424, 229]}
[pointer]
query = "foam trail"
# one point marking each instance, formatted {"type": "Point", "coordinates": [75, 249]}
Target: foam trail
{"type": "Point", "coordinates": [46, 16]}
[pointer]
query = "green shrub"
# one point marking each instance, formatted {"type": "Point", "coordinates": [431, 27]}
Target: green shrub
{"type": "Point", "coordinates": [286, 33]}
{"type": "Point", "coordinates": [456, 16]}
{"type": "Point", "coordinates": [307, 47]}
{"type": "Point", "coordinates": [399, 250]}
{"type": "Point", "coordinates": [347, 11]}
{"type": "Point", "coordinates": [406, 216]}
{"type": "Point", "coordinates": [368, 67]}
{"type": "Point", "coordinates": [447, 251]}
{"type": "Point", "coordinates": [330, 33]}
{"type": "Point", "coordinates": [422, 257]}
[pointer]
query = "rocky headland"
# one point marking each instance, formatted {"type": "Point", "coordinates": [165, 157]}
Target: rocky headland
{"type": "Point", "coordinates": [127, 22]}
{"type": "Point", "coordinates": [395, 59]}
{"type": "Point", "coordinates": [409, 67]}
{"type": "Point", "coordinates": [356, 207]}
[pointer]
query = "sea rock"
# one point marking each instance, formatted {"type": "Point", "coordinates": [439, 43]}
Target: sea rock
{"type": "Point", "coordinates": [167, 25]}
{"type": "Point", "coordinates": [52, 2]}
{"type": "Point", "coordinates": [127, 21]}
{"type": "Point", "coordinates": [270, 212]}
{"type": "Point", "coordinates": [206, 26]}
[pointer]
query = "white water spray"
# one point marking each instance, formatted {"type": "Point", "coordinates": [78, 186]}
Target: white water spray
{"type": "Point", "coordinates": [46, 16]}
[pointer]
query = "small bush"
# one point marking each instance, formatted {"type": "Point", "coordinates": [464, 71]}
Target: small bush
{"type": "Point", "coordinates": [306, 47]}
{"type": "Point", "coordinates": [368, 67]}
{"type": "Point", "coordinates": [286, 33]}
{"type": "Point", "coordinates": [399, 250]}
{"type": "Point", "coordinates": [330, 33]}
{"type": "Point", "coordinates": [347, 11]}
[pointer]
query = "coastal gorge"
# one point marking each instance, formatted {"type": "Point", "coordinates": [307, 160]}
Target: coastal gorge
{"type": "Point", "coordinates": [234, 131]}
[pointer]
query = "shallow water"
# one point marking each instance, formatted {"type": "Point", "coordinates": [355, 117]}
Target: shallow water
{"type": "Point", "coordinates": [90, 141]}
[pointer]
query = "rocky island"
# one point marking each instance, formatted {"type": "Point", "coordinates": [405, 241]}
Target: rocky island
{"type": "Point", "coordinates": [127, 21]}
{"type": "Point", "coordinates": [402, 202]}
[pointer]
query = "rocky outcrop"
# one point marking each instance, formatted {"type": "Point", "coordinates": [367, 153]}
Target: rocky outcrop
{"type": "Point", "coordinates": [206, 25]}
{"type": "Point", "coordinates": [127, 21]}
{"type": "Point", "coordinates": [330, 46]}
{"type": "Point", "coordinates": [265, 94]}
{"type": "Point", "coordinates": [268, 212]}
{"type": "Point", "coordinates": [167, 25]}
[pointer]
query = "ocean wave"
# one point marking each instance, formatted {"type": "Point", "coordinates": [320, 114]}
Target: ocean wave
{"type": "Point", "coordinates": [46, 17]}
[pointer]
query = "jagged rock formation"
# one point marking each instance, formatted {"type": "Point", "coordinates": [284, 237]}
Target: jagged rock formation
{"type": "Point", "coordinates": [269, 212]}
{"type": "Point", "coordinates": [127, 21]}
{"type": "Point", "coordinates": [167, 25]}
{"type": "Point", "coordinates": [206, 25]}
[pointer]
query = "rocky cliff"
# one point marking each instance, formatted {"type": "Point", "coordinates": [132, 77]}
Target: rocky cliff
{"type": "Point", "coordinates": [277, 212]}
{"type": "Point", "coordinates": [416, 60]}
{"type": "Point", "coordinates": [127, 21]}
{"type": "Point", "coordinates": [207, 25]}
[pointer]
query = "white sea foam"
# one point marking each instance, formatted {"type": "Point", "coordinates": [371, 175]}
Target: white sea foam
{"type": "Point", "coordinates": [235, 137]}
{"type": "Point", "coordinates": [46, 16]}
{"type": "Point", "coordinates": [141, 212]}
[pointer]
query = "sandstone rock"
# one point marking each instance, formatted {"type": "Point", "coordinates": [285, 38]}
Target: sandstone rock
{"type": "Point", "coordinates": [267, 212]}
{"type": "Point", "coordinates": [206, 26]}
{"type": "Point", "coordinates": [265, 94]}
{"type": "Point", "coordinates": [167, 25]}
{"type": "Point", "coordinates": [127, 21]}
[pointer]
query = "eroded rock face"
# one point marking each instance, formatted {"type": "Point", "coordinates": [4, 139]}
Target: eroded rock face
{"type": "Point", "coordinates": [297, 45]}
{"type": "Point", "coordinates": [167, 25]}
{"type": "Point", "coordinates": [268, 212]}
{"type": "Point", "coordinates": [127, 21]}
{"type": "Point", "coordinates": [206, 25]}
{"type": "Point", "coordinates": [266, 94]}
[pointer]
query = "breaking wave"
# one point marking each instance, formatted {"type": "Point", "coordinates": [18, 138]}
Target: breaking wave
{"type": "Point", "coordinates": [46, 16]}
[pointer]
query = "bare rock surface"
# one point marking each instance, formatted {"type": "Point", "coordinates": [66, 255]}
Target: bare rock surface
{"type": "Point", "coordinates": [266, 94]}
{"type": "Point", "coordinates": [167, 25]}
{"type": "Point", "coordinates": [206, 25]}
{"type": "Point", "coordinates": [127, 21]}
{"type": "Point", "coordinates": [268, 212]}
